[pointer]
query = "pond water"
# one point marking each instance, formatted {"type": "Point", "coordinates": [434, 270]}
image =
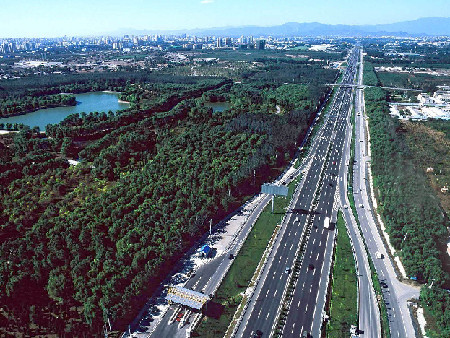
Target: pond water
{"type": "Point", "coordinates": [88, 102]}
{"type": "Point", "coordinates": [218, 107]}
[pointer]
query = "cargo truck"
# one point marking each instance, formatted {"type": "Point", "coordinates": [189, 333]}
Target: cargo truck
{"type": "Point", "coordinates": [327, 222]}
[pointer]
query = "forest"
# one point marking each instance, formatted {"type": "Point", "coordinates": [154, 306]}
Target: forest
{"type": "Point", "coordinates": [26, 104]}
{"type": "Point", "coordinates": [91, 242]}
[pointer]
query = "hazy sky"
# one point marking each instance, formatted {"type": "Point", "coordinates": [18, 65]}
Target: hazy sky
{"type": "Point", "coordinates": [51, 18]}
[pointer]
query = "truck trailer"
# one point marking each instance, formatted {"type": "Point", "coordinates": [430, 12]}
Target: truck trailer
{"type": "Point", "coordinates": [327, 222]}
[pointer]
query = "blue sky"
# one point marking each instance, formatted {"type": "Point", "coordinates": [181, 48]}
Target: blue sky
{"type": "Point", "coordinates": [51, 18]}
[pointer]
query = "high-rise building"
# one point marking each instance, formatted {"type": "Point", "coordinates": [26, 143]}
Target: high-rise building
{"type": "Point", "coordinates": [260, 44]}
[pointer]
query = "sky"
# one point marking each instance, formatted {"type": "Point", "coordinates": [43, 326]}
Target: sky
{"type": "Point", "coordinates": [56, 18]}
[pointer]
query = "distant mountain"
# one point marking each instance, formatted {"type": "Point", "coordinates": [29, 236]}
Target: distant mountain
{"type": "Point", "coordinates": [419, 27]}
{"type": "Point", "coordinates": [423, 26]}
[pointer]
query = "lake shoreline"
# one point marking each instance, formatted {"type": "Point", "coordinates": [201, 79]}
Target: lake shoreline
{"type": "Point", "coordinates": [89, 102]}
{"type": "Point", "coordinates": [35, 110]}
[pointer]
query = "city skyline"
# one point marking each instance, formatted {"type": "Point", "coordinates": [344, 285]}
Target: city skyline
{"type": "Point", "coordinates": [27, 18]}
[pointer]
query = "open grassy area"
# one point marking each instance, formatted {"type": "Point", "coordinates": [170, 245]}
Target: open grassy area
{"type": "Point", "coordinates": [430, 146]}
{"type": "Point", "coordinates": [344, 311]}
{"type": "Point", "coordinates": [244, 266]}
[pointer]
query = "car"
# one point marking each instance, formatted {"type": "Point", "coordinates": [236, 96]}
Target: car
{"type": "Point", "coordinates": [230, 256]}
{"type": "Point", "coordinates": [287, 270]}
{"type": "Point", "coordinates": [361, 206]}
{"type": "Point", "coordinates": [257, 334]}
{"type": "Point", "coordinates": [345, 206]}
{"type": "Point", "coordinates": [311, 266]}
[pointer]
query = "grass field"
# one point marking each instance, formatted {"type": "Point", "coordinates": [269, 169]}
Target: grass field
{"type": "Point", "coordinates": [244, 266]}
{"type": "Point", "coordinates": [344, 311]}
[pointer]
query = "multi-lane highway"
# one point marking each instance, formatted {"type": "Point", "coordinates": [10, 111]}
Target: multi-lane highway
{"type": "Point", "coordinates": [368, 310]}
{"type": "Point", "coordinates": [315, 202]}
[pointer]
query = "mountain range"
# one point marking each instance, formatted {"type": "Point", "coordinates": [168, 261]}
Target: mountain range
{"type": "Point", "coordinates": [436, 26]}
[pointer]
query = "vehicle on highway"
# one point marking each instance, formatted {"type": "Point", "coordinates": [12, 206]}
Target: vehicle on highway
{"type": "Point", "coordinates": [258, 334]}
{"type": "Point", "coordinates": [361, 206]}
{"type": "Point", "coordinates": [379, 255]}
{"type": "Point", "coordinates": [230, 256]}
{"type": "Point", "coordinates": [287, 270]}
{"type": "Point", "coordinates": [345, 206]}
{"type": "Point", "coordinates": [326, 223]}
{"type": "Point", "coordinates": [311, 266]}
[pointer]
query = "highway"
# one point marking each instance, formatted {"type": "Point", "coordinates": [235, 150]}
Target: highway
{"type": "Point", "coordinates": [368, 311]}
{"type": "Point", "coordinates": [305, 312]}
{"type": "Point", "coordinates": [395, 293]}
{"type": "Point", "coordinates": [315, 202]}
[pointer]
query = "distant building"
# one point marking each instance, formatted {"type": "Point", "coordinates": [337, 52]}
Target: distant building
{"type": "Point", "coordinates": [424, 98]}
{"type": "Point", "coordinates": [219, 42]}
{"type": "Point", "coordinates": [260, 44]}
{"type": "Point", "coordinates": [442, 96]}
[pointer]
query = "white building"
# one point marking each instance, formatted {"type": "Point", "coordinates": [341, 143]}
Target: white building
{"type": "Point", "coordinates": [424, 98]}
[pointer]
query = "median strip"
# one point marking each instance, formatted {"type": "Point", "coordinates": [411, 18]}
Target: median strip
{"type": "Point", "coordinates": [343, 304]}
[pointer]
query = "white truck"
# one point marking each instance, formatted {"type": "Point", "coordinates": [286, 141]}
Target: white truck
{"type": "Point", "coordinates": [326, 223]}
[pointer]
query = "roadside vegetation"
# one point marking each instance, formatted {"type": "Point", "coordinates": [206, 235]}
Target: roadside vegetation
{"type": "Point", "coordinates": [344, 289]}
{"type": "Point", "coordinates": [413, 215]}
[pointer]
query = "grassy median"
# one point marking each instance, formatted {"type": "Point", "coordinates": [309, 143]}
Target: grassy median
{"type": "Point", "coordinates": [244, 266]}
{"type": "Point", "coordinates": [343, 306]}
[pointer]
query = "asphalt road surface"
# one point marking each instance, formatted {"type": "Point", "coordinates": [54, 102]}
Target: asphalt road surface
{"type": "Point", "coordinates": [368, 311]}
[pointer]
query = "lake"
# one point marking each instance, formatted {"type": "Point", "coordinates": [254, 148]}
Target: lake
{"type": "Point", "coordinates": [218, 107]}
{"type": "Point", "coordinates": [88, 102]}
